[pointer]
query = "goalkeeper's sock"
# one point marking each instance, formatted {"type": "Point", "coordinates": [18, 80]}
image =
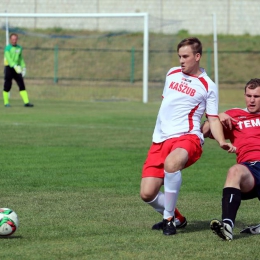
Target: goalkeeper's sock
{"type": "Point", "coordinates": [230, 203]}
{"type": "Point", "coordinates": [24, 96]}
{"type": "Point", "coordinates": [6, 97]}
{"type": "Point", "coordinates": [172, 184]}
{"type": "Point", "coordinates": [158, 202]}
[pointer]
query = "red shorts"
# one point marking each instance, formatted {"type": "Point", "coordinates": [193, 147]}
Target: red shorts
{"type": "Point", "coordinates": [154, 164]}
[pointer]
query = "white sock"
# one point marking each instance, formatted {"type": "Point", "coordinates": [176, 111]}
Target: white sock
{"type": "Point", "coordinates": [158, 202]}
{"type": "Point", "coordinates": [172, 184]}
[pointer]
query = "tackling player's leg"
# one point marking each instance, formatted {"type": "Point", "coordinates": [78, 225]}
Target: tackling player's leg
{"type": "Point", "coordinates": [240, 184]}
{"type": "Point", "coordinates": [255, 230]}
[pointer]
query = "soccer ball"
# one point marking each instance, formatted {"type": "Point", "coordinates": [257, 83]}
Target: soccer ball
{"type": "Point", "coordinates": [8, 222]}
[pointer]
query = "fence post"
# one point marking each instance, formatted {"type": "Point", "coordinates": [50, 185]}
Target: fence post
{"type": "Point", "coordinates": [56, 64]}
{"type": "Point", "coordinates": [209, 62]}
{"type": "Point", "coordinates": [132, 76]}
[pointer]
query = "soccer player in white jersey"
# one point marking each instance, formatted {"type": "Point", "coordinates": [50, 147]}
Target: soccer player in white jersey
{"type": "Point", "coordinates": [177, 140]}
{"type": "Point", "coordinates": [242, 128]}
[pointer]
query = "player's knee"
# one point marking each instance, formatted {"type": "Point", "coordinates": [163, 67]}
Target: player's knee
{"type": "Point", "coordinates": [234, 173]}
{"type": "Point", "coordinates": [176, 160]}
{"type": "Point", "coordinates": [21, 88]}
{"type": "Point", "coordinates": [147, 196]}
{"type": "Point", "coordinates": [7, 88]}
{"type": "Point", "coordinates": [173, 166]}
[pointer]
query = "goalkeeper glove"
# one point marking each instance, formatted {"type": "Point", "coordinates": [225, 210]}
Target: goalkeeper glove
{"type": "Point", "coordinates": [18, 69]}
{"type": "Point", "coordinates": [23, 72]}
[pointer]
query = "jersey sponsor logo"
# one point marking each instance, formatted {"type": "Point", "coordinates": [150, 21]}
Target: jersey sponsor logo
{"type": "Point", "coordinates": [188, 80]}
{"type": "Point", "coordinates": [183, 87]}
{"type": "Point", "coordinates": [249, 123]}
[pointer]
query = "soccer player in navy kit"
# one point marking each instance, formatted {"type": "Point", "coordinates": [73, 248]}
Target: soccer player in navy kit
{"type": "Point", "coordinates": [242, 128]}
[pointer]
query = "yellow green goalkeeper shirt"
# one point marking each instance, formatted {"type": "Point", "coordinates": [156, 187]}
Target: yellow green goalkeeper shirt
{"type": "Point", "coordinates": [13, 56]}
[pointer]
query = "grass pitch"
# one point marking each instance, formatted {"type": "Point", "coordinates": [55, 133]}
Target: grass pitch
{"type": "Point", "coordinates": [71, 171]}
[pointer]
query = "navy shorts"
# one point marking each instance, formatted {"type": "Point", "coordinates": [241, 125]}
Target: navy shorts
{"type": "Point", "coordinates": [254, 168]}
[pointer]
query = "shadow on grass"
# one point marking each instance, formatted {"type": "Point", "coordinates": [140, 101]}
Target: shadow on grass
{"type": "Point", "coordinates": [11, 237]}
{"type": "Point", "coordinates": [195, 226]}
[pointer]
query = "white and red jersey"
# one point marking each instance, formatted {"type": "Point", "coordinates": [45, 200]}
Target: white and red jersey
{"type": "Point", "coordinates": [185, 99]}
{"type": "Point", "coordinates": [245, 134]}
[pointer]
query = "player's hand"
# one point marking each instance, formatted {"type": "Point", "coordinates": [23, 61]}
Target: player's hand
{"type": "Point", "coordinates": [18, 69]}
{"type": "Point", "coordinates": [226, 120]}
{"type": "Point", "coordinates": [228, 147]}
{"type": "Point", "coordinates": [23, 72]}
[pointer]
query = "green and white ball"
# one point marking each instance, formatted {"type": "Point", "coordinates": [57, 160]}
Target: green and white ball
{"type": "Point", "coordinates": [8, 222]}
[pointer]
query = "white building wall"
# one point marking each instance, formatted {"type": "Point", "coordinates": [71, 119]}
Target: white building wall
{"type": "Point", "coordinates": [167, 16]}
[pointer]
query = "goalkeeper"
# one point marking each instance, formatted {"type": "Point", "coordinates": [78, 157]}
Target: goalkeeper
{"type": "Point", "coordinates": [14, 69]}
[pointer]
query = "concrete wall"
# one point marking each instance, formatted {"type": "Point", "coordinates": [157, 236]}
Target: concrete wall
{"type": "Point", "coordinates": [167, 16]}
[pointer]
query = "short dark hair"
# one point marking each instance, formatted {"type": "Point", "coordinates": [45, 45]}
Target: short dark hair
{"type": "Point", "coordinates": [193, 42]}
{"type": "Point", "coordinates": [252, 84]}
{"type": "Point", "coordinates": [13, 34]}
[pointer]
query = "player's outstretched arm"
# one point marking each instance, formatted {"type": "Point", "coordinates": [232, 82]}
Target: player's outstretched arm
{"type": "Point", "coordinates": [216, 130]}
